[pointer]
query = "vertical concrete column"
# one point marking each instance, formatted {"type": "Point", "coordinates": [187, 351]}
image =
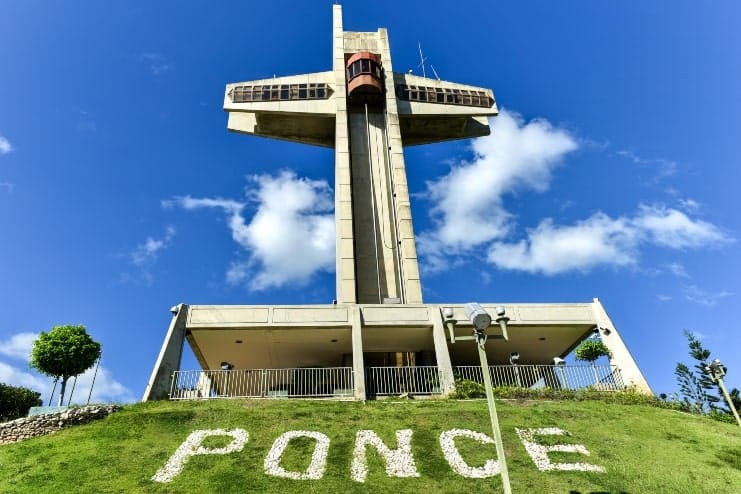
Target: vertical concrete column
{"type": "Point", "coordinates": [447, 380]}
{"type": "Point", "coordinates": [345, 250]}
{"type": "Point", "coordinates": [409, 268]}
{"type": "Point", "coordinates": [358, 367]}
{"type": "Point", "coordinates": [168, 360]}
{"type": "Point", "coordinates": [621, 357]}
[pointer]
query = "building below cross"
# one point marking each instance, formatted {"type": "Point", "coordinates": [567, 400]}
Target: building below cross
{"type": "Point", "coordinates": [378, 329]}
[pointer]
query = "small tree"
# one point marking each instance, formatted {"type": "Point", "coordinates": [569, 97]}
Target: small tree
{"type": "Point", "coordinates": [590, 351]}
{"type": "Point", "coordinates": [64, 352]}
{"type": "Point", "coordinates": [16, 400]}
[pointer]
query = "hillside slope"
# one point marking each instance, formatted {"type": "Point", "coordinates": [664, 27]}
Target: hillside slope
{"type": "Point", "coordinates": [640, 449]}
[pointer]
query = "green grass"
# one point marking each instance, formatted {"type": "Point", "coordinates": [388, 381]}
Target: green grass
{"type": "Point", "coordinates": [643, 449]}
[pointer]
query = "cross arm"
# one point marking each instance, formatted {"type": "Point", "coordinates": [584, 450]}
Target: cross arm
{"type": "Point", "coordinates": [297, 108]}
{"type": "Point", "coordinates": [431, 110]}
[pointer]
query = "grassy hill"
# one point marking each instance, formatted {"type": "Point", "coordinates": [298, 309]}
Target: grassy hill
{"type": "Point", "coordinates": [642, 449]}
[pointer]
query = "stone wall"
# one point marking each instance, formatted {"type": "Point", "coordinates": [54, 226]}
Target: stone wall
{"type": "Point", "coordinates": [39, 425]}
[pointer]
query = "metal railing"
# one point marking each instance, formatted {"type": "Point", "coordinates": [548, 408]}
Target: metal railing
{"type": "Point", "coordinates": [379, 381]}
{"type": "Point", "coordinates": [572, 377]}
{"type": "Point", "coordinates": [384, 381]}
{"type": "Point", "coordinates": [262, 383]}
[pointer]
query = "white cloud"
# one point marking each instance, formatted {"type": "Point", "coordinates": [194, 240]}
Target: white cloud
{"type": "Point", "coordinates": [602, 240]}
{"type": "Point", "coordinates": [469, 211]}
{"type": "Point", "coordinates": [291, 235]}
{"type": "Point", "coordinates": [17, 377]}
{"type": "Point", "coordinates": [553, 249]}
{"type": "Point", "coordinates": [689, 205]}
{"type": "Point", "coordinates": [677, 270]}
{"type": "Point", "coordinates": [5, 146]}
{"type": "Point", "coordinates": [664, 167]}
{"type": "Point", "coordinates": [694, 294]}
{"type": "Point", "coordinates": [468, 208]}
{"type": "Point", "coordinates": [145, 254]}
{"type": "Point", "coordinates": [18, 346]}
{"type": "Point", "coordinates": [674, 229]}
{"type": "Point", "coordinates": [158, 64]}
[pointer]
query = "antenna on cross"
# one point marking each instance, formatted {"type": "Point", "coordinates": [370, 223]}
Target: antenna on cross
{"type": "Point", "coordinates": [422, 59]}
{"type": "Point", "coordinates": [434, 72]}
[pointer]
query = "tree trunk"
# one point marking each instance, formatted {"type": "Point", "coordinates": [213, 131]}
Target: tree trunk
{"type": "Point", "coordinates": [61, 390]}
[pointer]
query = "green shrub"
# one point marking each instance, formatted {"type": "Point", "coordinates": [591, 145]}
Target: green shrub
{"type": "Point", "coordinates": [465, 388]}
{"type": "Point", "coordinates": [15, 401]}
{"type": "Point", "coordinates": [722, 416]}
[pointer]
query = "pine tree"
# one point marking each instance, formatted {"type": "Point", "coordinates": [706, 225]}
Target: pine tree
{"type": "Point", "coordinates": [697, 389]}
{"type": "Point", "coordinates": [690, 388]}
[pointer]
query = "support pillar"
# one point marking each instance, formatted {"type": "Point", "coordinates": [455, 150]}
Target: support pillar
{"type": "Point", "coordinates": [621, 357]}
{"type": "Point", "coordinates": [442, 355]}
{"type": "Point", "coordinates": [158, 387]}
{"type": "Point", "coordinates": [358, 367]}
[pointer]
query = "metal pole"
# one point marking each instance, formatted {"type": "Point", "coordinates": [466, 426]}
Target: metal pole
{"type": "Point", "coordinates": [481, 340]}
{"type": "Point", "coordinates": [56, 380]}
{"type": "Point", "coordinates": [728, 399]}
{"type": "Point", "coordinates": [69, 401]}
{"type": "Point", "coordinates": [95, 374]}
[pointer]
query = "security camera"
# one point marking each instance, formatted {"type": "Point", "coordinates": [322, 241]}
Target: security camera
{"type": "Point", "coordinates": [478, 316]}
{"type": "Point", "coordinates": [558, 361]}
{"type": "Point", "coordinates": [448, 313]}
{"type": "Point", "coordinates": [514, 357]}
{"type": "Point", "coordinates": [500, 310]}
{"type": "Point", "coordinates": [174, 309]}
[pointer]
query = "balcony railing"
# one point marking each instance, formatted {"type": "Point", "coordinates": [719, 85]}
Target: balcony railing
{"type": "Point", "coordinates": [379, 381]}
{"type": "Point", "coordinates": [262, 383]}
{"type": "Point", "coordinates": [385, 381]}
{"type": "Point", "coordinates": [572, 377]}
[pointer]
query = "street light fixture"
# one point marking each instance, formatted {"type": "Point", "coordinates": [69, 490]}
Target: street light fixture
{"type": "Point", "coordinates": [226, 367]}
{"type": "Point", "coordinates": [561, 363]}
{"type": "Point", "coordinates": [481, 321]}
{"type": "Point", "coordinates": [514, 358]}
{"type": "Point", "coordinates": [716, 370]}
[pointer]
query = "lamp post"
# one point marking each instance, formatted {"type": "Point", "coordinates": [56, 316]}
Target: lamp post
{"type": "Point", "coordinates": [226, 367]}
{"type": "Point", "coordinates": [514, 358]}
{"type": "Point", "coordinates": [716, 370]}
{"type": "Point", "coordinates": [481, 321]}
{"type": "Point", "coordinates": [560, 363]}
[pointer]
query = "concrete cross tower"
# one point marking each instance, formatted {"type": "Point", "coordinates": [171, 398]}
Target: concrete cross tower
{"type": "Point", "coordinates": [378, 338]}
{"type": "Point", "coordinates": [368, 113]}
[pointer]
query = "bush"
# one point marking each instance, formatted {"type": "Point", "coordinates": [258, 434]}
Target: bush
{"type": "Point", "coordinates": [722, 416]}
{"type": "Point", "coordinates": [465, 388]}
{"type": "Point", "coordinates": [15, 401]}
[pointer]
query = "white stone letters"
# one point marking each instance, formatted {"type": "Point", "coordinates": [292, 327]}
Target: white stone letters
{"type": "Point", "coordinates": [318, 464]}
{"type": "Point", "coordinates": [192, 446]}
{"type": "Point", "coordinates": [539, 452]}
{"type": "Point", "coordinates": [456, 461]}
{"type": "Point", "coordinates": [399, 462]}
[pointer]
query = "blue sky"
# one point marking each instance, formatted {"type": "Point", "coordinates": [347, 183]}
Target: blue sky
{"type": "Point", "coordinates": [612, 171]}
